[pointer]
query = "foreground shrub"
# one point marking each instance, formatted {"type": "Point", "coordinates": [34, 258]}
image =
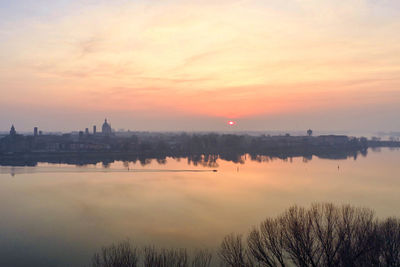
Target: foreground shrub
{"type": "Point", "coordinates": [165, 257]}
{"type": "Point", "coordinates": [125, 254]}
{"type": "Point", "coordinates": [117, 255]}
{"type": "Point", "coordinates": [323, 235]}
{"type": "Point", "coordinates": [233, 252]}
{"type": "Point", "coordinates": [390, 242]}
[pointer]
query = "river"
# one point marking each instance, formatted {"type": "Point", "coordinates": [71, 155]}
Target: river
{"type": "Point", "coordinates": [59, 215]}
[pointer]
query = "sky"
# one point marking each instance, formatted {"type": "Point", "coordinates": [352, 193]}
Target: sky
{"type": "Point", "coordinates": [194, 65]}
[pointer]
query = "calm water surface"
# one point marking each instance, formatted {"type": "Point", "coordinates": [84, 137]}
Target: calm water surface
{"type": "Point", "coordinates": [58, 215]}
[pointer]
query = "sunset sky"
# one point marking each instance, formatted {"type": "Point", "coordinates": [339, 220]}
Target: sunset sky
{"type": "Point", "coordinates": [194, 65]}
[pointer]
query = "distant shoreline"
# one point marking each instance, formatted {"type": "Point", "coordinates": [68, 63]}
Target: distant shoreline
{"type": "Point", "coordinates": [83, 149]}
{"type": "Point", "coordinates": [19, 150]}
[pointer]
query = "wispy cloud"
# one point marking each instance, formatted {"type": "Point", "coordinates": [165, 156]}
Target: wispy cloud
{"type": "Point", "coordinates": [231, 58]}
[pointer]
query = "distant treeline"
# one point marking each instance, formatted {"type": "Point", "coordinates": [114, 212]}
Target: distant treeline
{"type": "Point", "coordinates": [323, 235]}
{"type": "Point", "coordinates": [88, 149]}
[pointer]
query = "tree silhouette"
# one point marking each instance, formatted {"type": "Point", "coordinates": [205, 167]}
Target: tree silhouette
{"type": "Point", "coordinates": [323, 235]}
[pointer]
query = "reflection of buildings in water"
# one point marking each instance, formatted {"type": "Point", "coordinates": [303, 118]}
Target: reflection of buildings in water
{"type": "Point", "coordinates": [125, 163]}
{"type": "Point", "coordinates": [162, 161]}
{"type": "Point", "coordinates": [15, 170]}
{"type": "Point", "coordinates": [205, 160]}
{"type": "Point", "coordinates": [376, 149]}
{"type": "Point", "coordinates": [307, 158]}
{"type": "Point", "coordinates": [106, 164]}
{"type": "Point", "coordinates": [145, 161]}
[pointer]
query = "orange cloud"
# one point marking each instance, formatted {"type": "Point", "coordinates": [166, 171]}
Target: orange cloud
{"type": "Point", "coordinates": [232, 59]}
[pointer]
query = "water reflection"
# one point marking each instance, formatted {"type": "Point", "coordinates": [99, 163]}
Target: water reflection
{"type": "Point", "coordinates": [206, 160]}
{"type": "Point", "coordinates": [196, 160]}
{"type": "Point", "coordinates": [61, 216]}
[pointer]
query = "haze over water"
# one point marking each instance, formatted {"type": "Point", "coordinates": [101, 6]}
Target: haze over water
{"type": "Point", "coordinates": [58, 215]}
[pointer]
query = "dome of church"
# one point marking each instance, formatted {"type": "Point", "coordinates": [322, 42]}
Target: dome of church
{"type": "Point", "coordinates": [106, 128]}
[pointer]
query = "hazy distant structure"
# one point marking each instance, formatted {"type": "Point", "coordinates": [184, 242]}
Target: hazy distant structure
{"type": "Point", "coordinates": [106, 128]}
{"type": "Point", "coordinates": [87, 131]}
{"type": "Point", "coordinates": [309, 132]}
{"type": "Point", "coordinates": [35, 131]}
{"type": "Point", "coordinates": [94, 130]}
{"type": "Point", "coordinates": [12, 131]}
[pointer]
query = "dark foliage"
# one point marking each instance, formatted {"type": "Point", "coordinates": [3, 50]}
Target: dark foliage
{"type": "Point", "coordinates": [117, 255]}
{"type": "Point", "coordinates": [125, 254]}
{"type": "Point", "coordinates": [324, 235]}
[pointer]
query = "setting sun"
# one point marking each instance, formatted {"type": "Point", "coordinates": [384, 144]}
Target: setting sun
{"type": "Point", "coordinates": [201, 133]}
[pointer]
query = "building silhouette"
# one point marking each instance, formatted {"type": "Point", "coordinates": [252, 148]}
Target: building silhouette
{"type": "Point", "coordinates": [12, 131]}
{"type": "Point", "coordinates": [106, 128]}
